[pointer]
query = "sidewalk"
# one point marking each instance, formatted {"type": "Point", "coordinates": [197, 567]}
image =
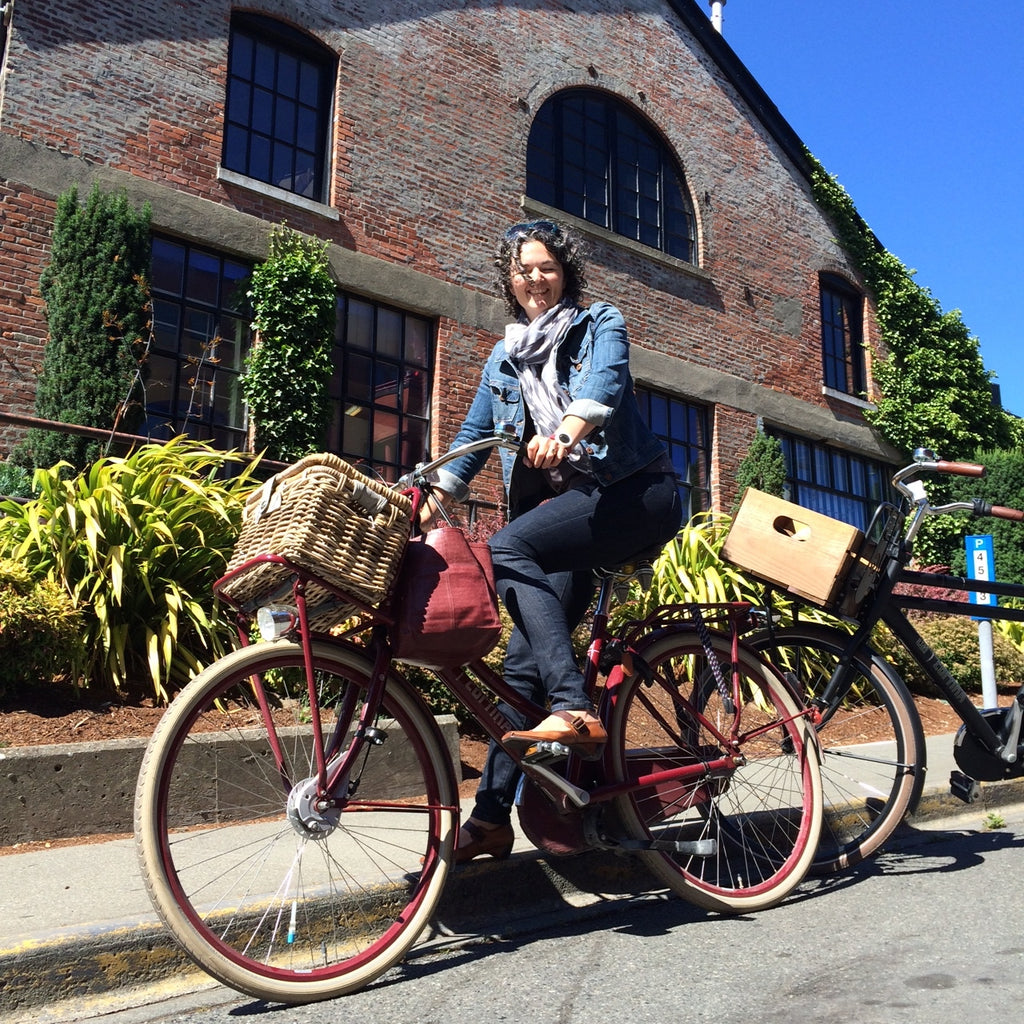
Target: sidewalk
{"type": "Point", "coordinates": [77, 922]}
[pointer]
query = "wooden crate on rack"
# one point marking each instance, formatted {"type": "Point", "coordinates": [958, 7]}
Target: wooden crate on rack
{"type": "Point", "coordinates": [803, 552]}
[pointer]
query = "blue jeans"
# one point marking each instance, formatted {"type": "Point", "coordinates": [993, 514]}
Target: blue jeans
{"type": "Point", "coordinates": [543, 567]}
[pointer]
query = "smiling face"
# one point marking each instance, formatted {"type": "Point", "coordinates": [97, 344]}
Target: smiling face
{"type": "Point", "coordinates": [537, 280]}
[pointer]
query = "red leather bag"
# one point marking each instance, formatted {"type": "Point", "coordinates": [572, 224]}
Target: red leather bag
{"type": "Point", "coordinates": [445, 604]}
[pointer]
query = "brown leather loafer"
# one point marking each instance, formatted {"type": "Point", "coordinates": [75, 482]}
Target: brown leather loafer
{"type": "Point", "coordinates": [495, 841]}
{"type": "Point", "coordinates": [579, 731]}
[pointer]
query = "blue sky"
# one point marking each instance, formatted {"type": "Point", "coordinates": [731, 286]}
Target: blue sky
{"type": "Point", "coordinates": [917, 108]}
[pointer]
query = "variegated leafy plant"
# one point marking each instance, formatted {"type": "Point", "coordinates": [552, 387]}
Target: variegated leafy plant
{"type": "Point", "coordinates": [137, 542]}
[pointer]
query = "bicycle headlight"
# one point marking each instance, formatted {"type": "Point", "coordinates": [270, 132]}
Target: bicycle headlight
{"type": "Point", "coordinates": [276, 620]}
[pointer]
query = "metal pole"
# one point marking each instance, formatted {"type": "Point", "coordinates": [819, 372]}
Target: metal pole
{"type": "Point", "coordinates": [989, 697]}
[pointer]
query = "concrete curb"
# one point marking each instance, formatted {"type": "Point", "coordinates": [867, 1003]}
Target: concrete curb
{"type": "Point", "coordinates": [120, 956]}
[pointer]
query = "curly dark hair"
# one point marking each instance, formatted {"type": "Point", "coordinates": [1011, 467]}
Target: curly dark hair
{"type": "Point", "coordinates": [565, 246]}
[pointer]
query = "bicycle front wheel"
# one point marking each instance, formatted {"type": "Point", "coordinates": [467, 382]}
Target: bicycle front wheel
{"type": "Point", "coordinates": [271, 889]}
{"type": "Point", "coordinates": [872, 747]}
{"type": "Point", "coordinates": [731, 839]}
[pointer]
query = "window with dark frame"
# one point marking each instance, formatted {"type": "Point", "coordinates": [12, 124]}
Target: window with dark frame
{"type": "Point", "coordinates": [381, 386]}
{"type": "Point", "coordinates": [683, 427]}
{"type": "Point", "coordinates": [833, 481]}
{"type": "Point", "coordinates": [842, 336]}
{"type": "Point", "coordinates": [278, 108]}
{"type": "Point", "coordinates": [201, 334]}
{"type": "Point", "coordinates": [593, 156]}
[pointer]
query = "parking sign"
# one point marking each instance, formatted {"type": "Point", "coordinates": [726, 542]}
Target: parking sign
{"type": "Point", "coordinates": [981, 565]}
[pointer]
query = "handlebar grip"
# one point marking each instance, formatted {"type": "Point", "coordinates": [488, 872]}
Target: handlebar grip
{"type": "Point", "coordinates": [960, 468]}
{"type": "Point", "coordinates": [982, 508]}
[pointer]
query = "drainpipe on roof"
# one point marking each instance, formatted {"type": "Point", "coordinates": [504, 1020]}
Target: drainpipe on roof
{"type": "Point", "coordinates": [716, 14]}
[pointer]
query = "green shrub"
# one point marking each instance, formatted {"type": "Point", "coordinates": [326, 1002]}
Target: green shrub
{"type": "Point", "coordinates": [15, 481]}
{"type": "Point", "coordinates": [954, 638]}
{"type": "Point", "coordinates": [288, 370]}
{"type": "Point", "coordinates": [137, 542]}
{"type": "Point", "coordinates": [1003, 484]}
{"type": "Point", "coordinates": [763, 467]}
{"type": "Point", "coordinates": [1011, 629]}
{"type": "Point", "coordinates": [40, 631]}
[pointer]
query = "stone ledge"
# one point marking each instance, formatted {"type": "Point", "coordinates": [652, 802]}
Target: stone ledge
{"type": "Point", "coordinates": [67, 790]}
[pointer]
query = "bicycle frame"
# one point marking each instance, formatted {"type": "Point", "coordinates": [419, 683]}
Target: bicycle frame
{"type": "Point", "coordinates": [475, 685]}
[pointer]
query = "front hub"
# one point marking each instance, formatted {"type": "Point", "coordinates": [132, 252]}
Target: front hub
{"type": "Point", "coordinates": [310, 814]}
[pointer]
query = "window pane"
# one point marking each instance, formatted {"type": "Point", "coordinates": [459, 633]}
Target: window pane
{"type": "Point", "coordinates": [360, 373]}
{"type": "Point", "coordinates": [595, 157]}
{"type": "Point", "coordinates": [385, 385]}
{"type": "Point", "coordinates": [203, 277]}
{"type": "Point", "coordinates": [268, 135]}
{"type": "Point", "coordinates": [262, 111]}
{"type": "Point", "coordinates": [385, 438]}
{"type": "Point", "coordinates": [417, 341]}
{"type": "Point", "coordinates": [166, 323]}
{"type": "Point", "coordinates": [415, 392]}
{"type": "Point", "coordinates": [683, 427]}
{"type": "Point", "coordinates": [167, 270]}
{"type": "Point", "coordinates": [360, 325]}
{"type": "Point", "coordinates": [356, 433]}
{"type": "Point", "coordinates": [389, 333]}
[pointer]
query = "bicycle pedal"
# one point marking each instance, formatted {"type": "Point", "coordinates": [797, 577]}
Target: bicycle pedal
{"type": "Point", "coordinates": [546, 752]}
{"type": "Point", "coordinates": [964, 787]}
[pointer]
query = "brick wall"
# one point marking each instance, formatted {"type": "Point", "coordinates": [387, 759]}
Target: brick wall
{"type": "Point", "coordinates": [433, 112]}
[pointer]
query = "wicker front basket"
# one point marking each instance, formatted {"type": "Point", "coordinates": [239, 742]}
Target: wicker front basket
{"type": "Point", "coordinates": [327, 517]}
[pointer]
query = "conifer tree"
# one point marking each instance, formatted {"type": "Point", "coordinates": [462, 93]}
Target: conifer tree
{"type": "Point", "coordinates": [97, 312]}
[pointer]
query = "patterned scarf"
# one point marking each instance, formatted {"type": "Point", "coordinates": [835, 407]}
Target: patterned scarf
{"type": "Point", "coordinates": [533, 347]}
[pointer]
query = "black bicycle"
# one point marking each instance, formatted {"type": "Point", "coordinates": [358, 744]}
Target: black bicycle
{"type": "Point", "coordinates": [872, 743]}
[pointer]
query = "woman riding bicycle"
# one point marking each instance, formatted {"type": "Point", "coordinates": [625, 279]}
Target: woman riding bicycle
{"type": "Point", "coordinates": [591, 487]}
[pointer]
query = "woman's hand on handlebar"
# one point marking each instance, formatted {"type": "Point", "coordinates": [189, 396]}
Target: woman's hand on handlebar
{"type": "Point", "coordinates": [430, 511]}
{"type": "Point", "coordinates": [547, 452]}
{"type": "Point", "coordinates": [544, 452]}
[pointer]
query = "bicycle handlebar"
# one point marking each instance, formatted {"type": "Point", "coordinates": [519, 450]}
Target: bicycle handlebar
{"type": "Point", "coordinates": [914, 490]}
{"type": "Point", "coordinates": [960, 468]}
{"type": "Point", "coordinates": [983, 508]}
{"type": "Point", "coordinates": [421, 474]}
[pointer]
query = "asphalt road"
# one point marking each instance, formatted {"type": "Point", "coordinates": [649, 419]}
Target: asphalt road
{"type": "Point", "coordinates": [928, 933]}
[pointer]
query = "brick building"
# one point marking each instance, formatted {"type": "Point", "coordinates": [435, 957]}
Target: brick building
{"type": "Point", "coordinates": [407, 136]}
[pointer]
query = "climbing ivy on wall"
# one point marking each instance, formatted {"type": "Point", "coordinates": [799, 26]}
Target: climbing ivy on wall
{"type": "Point", "coordinates": [288, 371]}
{"type": "Point", "coordinates": [935, 390]}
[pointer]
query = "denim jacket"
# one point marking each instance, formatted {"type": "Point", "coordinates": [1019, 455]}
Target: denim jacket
{"type": "Point", "coordinates": [593, 367]}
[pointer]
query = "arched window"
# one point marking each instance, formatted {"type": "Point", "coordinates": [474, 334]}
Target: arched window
{"type": "Point", "coordinates": [593, 156]}
{"type": "Point", "coordinates": [278, 111]}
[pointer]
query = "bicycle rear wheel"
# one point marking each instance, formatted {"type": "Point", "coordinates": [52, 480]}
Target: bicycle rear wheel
{"type": "Point", "coordinates": [733, 840]}
{"type": "Point", "coordinates": [268, 890]}
{"type": "Point", "coordinates": [872, 749]}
